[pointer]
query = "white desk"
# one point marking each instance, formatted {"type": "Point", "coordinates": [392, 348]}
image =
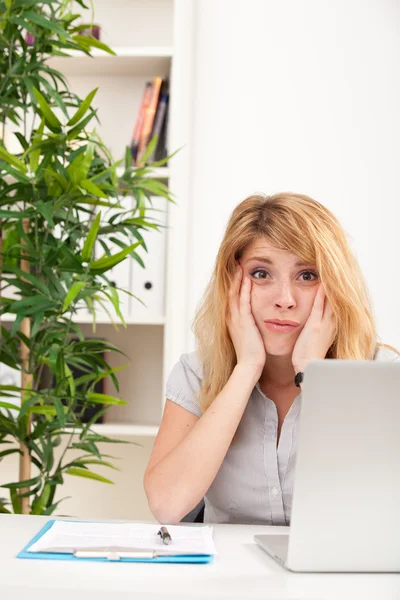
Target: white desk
{"type": "Point", "coordinates": [241, 570]}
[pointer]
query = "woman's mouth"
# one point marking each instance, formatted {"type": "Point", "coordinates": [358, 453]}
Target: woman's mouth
{"type": "Point", "coordinates": [281, 326]}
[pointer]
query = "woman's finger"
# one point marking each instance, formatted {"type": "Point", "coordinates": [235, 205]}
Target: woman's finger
{"type": "Point", "coordinates": [318, 306]}
{"type": "Point", "coordinates": [328, 310]}
{"type": "Point", "coordinates": [244, 301]}
{"type": "Point", "coordinates": [234, 292]}
{"type": "Point", "coordinates": [329, 316]}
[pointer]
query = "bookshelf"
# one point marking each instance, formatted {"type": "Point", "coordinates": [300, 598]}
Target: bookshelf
{"type": "Point", "coordinates": [129, 61]}
{"type": "Point", "coordinates": [150, 38]}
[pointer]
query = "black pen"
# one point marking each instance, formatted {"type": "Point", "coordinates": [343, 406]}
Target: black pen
{"type": "Point", "coordinates": [165, 535]}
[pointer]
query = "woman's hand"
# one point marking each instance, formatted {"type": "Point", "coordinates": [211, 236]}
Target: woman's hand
{"type": "Point", "coordinates": [317, 335]}
{"type": "Point", "coordinates": [245, 335]}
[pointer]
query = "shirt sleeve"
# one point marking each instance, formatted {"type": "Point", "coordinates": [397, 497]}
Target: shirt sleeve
{"type": "Point", "coordinates": [184, 383]}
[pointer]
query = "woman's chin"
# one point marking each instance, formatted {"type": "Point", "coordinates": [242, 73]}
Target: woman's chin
{"type": "Point", "coordinates": [278, 349]}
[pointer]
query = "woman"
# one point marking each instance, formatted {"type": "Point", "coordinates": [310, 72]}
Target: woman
{"type": "Point", "coordinates": [285, 290]}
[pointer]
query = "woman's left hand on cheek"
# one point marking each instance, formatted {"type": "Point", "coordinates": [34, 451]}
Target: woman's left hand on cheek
{"type": "Point", "coordinates": [317, 335]}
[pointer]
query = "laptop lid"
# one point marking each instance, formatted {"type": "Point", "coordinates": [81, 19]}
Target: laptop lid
{"type": "Point", "coordinates": [346, 496]}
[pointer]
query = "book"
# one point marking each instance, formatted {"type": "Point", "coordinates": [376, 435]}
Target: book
{"type": "Point", "coordinates": [149, 116]}
{"type": "Point", "coordinates": [159, 124]}
{"type": "Point", "coordinates": [139, 120]}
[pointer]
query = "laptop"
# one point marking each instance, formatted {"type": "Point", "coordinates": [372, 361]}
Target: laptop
{"type": "Point", "coordinates": [346, 494]}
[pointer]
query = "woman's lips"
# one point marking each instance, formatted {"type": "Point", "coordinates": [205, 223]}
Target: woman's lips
{"type": "Point", "coordinates": [280, 328]}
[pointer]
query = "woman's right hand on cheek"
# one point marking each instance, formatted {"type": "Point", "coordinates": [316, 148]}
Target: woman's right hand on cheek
{"type": "Point", "coordinates": [245, 335]}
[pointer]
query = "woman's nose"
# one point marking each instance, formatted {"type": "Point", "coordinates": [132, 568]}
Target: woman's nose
{"type": "Point", "coordinates": [284, 297]}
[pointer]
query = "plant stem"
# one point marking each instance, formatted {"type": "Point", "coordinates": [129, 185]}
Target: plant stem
{"type": "Point", "coordinates": [26, 384]}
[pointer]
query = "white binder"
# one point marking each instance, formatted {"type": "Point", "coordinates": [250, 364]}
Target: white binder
{"type": "Point", "coordinates": [118, 275]}
{"type": "Point", "coordinates": [148, 283]}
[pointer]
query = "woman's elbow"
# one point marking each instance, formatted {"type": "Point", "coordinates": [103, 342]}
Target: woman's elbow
{"type": "Point", "coordinates": [160, 508]}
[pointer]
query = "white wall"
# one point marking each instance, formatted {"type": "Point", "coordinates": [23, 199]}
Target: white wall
{"type": "Point", "coordinates": [299, 96]}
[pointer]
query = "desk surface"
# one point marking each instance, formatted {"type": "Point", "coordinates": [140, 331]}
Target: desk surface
{"type": "Point", "coordinates": [241, 570]}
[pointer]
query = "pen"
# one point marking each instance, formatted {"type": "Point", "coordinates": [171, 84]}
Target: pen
{"type": "Point", "coordinates": [165, 535]}
{"type": "Point", "coordinates": [117, 554]}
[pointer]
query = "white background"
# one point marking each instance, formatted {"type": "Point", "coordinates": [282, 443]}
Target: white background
{"type": "Point", "coordinates": [304, 97]}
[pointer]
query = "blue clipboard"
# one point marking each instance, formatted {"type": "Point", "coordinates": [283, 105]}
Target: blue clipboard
{"type": "Point", "coordinates": [181, 558]}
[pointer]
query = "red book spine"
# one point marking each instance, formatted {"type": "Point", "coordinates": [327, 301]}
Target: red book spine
{"type": "Point", "coordinates": [140, 119]}
{"type": "Point", "coordinates": [149, 116]}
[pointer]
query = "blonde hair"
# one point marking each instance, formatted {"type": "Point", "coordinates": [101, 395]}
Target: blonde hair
{"type": "Point", "coordinates": [303, 226]}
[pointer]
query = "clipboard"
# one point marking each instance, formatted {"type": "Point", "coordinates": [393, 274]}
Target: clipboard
{"type": "Point", "coordinates": [177, 558]}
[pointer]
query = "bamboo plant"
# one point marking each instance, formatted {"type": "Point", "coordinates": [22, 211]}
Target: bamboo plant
{"type": "Point", "coordinates": [62, 195]}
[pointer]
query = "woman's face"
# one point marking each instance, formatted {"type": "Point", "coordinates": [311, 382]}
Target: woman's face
{"type": "Point", "coordinates": [283, 288]}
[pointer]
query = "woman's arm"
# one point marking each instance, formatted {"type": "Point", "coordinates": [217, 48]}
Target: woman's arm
{"type": "Point", "coordinates": [189, 452]}
{"type": "Point", "coordinates": [180, 473]}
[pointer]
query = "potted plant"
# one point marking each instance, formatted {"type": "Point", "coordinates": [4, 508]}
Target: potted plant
{"type": "Point", "coordinates": [61, 196]}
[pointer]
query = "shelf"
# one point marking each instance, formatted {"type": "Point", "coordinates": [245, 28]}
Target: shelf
{"type": "Point", "coordinates": [157, 173]}
{"type": "Point", "coordinates": [121, 429]}
{"type": "Point", "coordinates": [104, 320]}
{"type": "Point", "coordinates": [125, 429]}
{"type": "Point", "coordinates": [149, 61]}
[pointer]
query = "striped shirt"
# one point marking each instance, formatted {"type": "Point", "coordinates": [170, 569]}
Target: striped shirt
{"type": "Point", "coordinates": [254, 484]}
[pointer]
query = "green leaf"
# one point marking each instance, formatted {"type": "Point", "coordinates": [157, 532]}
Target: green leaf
{"type": "Point", "coordinates": [50, 509]}
{"type": "Point", "coordinates": [72, 294]}
{"type": "Point", "coordinates": [149, 150]}
{"type": "Point", "coordinates": [45, 23]}
{"type": "Point", "coordinates": [16, 324]}
{"type": "Point", "coordinates": [91, 238]}
{"type": "Point", "coordinates": [21, 140]}
{"type": "Point", "coordinates": [47, 411]}
{"type": "Point", "coordinates": [13, 214]}
{"type": "Point", "coordinates": [94, 461]}
{"type": "Point", "coordinates": [93, 189]}
{"type": "Point", "coordinates": [24, 24]}
{"type": "Point", "coordinates": [10, 388]}
{"type": "Point", "coordinates": [8, 405]}
{"type": "Point", "coordinates": [26, 406]}
{"type": "Point", "coordinates": [104, 399]}
{"type": "Point", "coordinates": [27, 483]}
{"type": "Point", "coordinates": [86, 162]}
{"type": "Point", "coordinates": [88, 42]}
{"type": "Point", "coordinates": [54, 95]}
{"type": "Point", "coordinates": [59, 410]}
{"type": "Point", "coordinates": [35, 281]}
{"type": "Point", "coordinates": [75, 131]}
{"type": "Point", "coordinates": [71, 380]}
{"type": "Point", "coordinates": [37, 323]}
{"type": "Point", "coordinates": [48, 114]}
{"type": "Point", "coordinates": [16, 502]}
{"type": "Point", "coordinates": [77, 472]}
{"type": "Point", "coordinates": [108, 262]}
{"type": "Point", "coordinates": [112, 295]}
{"type": "Point", "coordinates": [11, 451]}
{"type": "Point", "coordinates": [82, 108]}
{"type": "Point", "coordinates": [44, 209]}
{"type": "Point", "coordinates": [12, 160]}
{"type": "Point", "coordinates": [35, 154]}
{"type": "Point", "coordinates": [51, 175]}
{"type": "Point", "coordinates": [41, 503]}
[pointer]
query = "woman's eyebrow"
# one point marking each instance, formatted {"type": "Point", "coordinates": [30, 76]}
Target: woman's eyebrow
{"type": "Point", "coordinates": [268, 261]}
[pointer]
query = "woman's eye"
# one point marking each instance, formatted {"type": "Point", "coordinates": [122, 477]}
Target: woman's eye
{"type": "Point", "coordinates": [308, 273]}
{"type": "Point", "coordinates": [259, 274]}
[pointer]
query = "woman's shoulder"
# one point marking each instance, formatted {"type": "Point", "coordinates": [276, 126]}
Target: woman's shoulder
{"type": "Point", "coordinates": [386, 352]}
{"type": "Point", "coordinates": [191, 362]}
{"type": "Point", "coordinates": [184, 382]}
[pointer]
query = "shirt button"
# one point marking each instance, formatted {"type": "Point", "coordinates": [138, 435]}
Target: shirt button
{"type": "Point", "coordinates": [274, 492]}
